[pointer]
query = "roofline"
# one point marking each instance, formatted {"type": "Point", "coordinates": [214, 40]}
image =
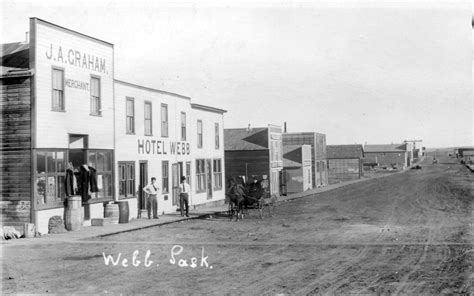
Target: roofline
{"type": "Point", "coordinates": [150, 89]}
{"type": "Point", "coordinates": [345, 157]}
{"type": "Point", "coordinates": [70, 31]}
{"type": "Point", "coordinates": [244, 128]}
{"type": "Point", "coordinates": [208, 108]}
{"type": "Point", "coordinates": [302, 133]}
{"type": "Point", "coordinates": [263, 149]}
{"type": "Point", "coordinates": [16, 74]}
{"type": "Point", "coordinates": [384, 151]}
{"type": "Point", "coordinates": [274, 125]}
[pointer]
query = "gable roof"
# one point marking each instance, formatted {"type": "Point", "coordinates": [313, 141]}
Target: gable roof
{"type": "Point", "coordinates": [385, 148]}
{"type": "Point", "coordinates": [344, 151]}
{"type": "Point", "coordinates": [236, 139]}
{"type": "Point", "coordinates": [15, 57]}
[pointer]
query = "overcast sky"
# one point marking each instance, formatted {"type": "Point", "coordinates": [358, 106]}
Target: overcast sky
{"type": "Point", "coordinates": [373, 71]}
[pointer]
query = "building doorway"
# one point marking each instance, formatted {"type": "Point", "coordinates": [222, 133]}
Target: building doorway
{"type": "Point", "coordinates": [143, 178]}
{"type": "Point", "coordinates": [176, 173]}
{"type": "Point", "coordinates": [209, 178]}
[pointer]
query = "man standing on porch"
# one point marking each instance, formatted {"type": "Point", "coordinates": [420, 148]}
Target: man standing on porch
{"type": "Point", "coordinates": [152, 200]}
{"type": "Point", "coordinates": [184, 191]}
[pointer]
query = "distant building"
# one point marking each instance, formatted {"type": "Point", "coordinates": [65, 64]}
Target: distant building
{"type": "Point", "coordinates": [461, 151]}
{"type": "Point", "coordinates": [318, 153]}
{"type": "Point", "coordinates": [297, 168]}
{"type": "Point", "coordinates": [468, 156]}
{"type": "Point", "coordinates": [345, 162]}
{"type": "Point", "coordinates": [388, 155]}
{"type": "Point", "coordinates": [256, 152]}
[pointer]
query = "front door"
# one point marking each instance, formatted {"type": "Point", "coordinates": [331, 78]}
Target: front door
{"type": "Point", "coordinates": [142, 183]}
{"type": "Point", "coordinates": [209, 178]}
{"type": "Point", "coordinates": [175, 176]}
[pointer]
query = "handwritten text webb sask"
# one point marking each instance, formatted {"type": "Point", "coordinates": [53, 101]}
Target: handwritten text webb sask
{"type": "Point", "coordinates": [175, 259]}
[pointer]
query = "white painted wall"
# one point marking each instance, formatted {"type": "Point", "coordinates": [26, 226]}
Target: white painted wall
{"type": "Point", "coordinates": [208, 151]}
{"type": "Point", "coordinates": [127, 144]}
{"type": "Point", "coordinates": [52, 127]}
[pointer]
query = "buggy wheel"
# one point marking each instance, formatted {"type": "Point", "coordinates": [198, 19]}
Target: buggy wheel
{"type": "Point", "coordinates": [260, 207]}
{"type": "Point", "coordinates": [231, 211]}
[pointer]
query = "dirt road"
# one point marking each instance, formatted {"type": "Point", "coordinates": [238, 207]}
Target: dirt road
{"type": "Point", "coordinates": [409, 233]}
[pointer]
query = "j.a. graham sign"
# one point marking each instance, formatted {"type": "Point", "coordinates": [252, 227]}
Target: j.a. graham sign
{"type": "Point", "coordinates": [76, 58]}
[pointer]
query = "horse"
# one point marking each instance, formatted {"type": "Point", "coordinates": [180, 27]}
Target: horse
{"type": "Point", "coordinates": [236, 194]}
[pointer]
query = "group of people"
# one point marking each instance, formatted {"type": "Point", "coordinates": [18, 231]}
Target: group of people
{"type": "Point", "coordinates": [152, 190]}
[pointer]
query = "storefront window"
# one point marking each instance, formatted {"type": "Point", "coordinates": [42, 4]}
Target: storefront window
{"type": "Point", "coordinates": [200, 175]}
{"type": "Point", "coordinates": [217, 171]}
{"type": "Point", "coordinates": [49, 178]}
{"type": "Point", "coordinates": [188, 172]}
{"type": "Point", "coordinates": [101, 161]}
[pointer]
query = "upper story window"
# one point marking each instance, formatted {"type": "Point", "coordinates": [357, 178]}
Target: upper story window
{"type": "Point", "coordinates": [58, 89]}
{"type": "Point", "coordinates": [164, 120]}
{"type": "Point", "coordinates": [199, 133]}
{"type": "Point", "coordinates": [183, 126]}
{"type": "Point", "coordinates": [148, 119]}
{"type": "Point", "coordinates": [216, 137]}
{"type": "Point", "coordinates": [95, 96]}
{"type": "Point", "coordinates": [130, 115]}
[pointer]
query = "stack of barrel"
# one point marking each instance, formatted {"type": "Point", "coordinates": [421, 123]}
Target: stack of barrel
{"type": "Point", "coordinates": [74, 215]}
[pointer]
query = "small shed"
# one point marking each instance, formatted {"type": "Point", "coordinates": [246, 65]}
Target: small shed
{"type": "Point", "coordinates": [297, 167]}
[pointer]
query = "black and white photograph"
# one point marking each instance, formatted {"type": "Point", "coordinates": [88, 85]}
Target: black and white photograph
{"type": "Point", "coordinates": [237, 147]}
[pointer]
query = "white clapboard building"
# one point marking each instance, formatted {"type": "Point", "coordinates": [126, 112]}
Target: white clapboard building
{"type": "Point", "coordinates": [66, 112]}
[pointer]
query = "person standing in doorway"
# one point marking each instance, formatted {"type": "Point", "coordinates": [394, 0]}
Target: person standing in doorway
{"type": "Point", "coordinates": [152, 199]}
{"type": "Point", "coordinates": [184, 191]}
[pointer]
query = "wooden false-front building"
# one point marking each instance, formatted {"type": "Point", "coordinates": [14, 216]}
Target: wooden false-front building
{"type": "Point", "coordinates": [345, 162]}
{"type": "Point", "coordinates": [297, 168]}
{"type": "Point", "coordinates": [65, 118]}
{"type": "Point", "coordinates": [256, 152]}
{"type": "Point", "coordinates": [317, 141]}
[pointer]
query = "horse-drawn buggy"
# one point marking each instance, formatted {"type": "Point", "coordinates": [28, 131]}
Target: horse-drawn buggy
{"type": "Point", "coordinates": [246, 197]}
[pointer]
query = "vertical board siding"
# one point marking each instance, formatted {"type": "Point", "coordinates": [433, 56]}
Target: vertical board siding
{"type": "Point", "coordinates": [15, 147]}
{"type": "Point", "coordinates": [257, 163]}
{"type": "Point", "coordinates": [341, 170]}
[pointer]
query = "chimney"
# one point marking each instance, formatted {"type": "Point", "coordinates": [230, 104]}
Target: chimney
{"type": "Point", "coordinates": [284, 127]}
{"type": "Point", "coordinates": [27, 40]}
{"type": "Point", "coordinates": [248, 128]}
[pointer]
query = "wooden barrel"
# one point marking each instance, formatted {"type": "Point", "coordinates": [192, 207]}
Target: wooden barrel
{"type": "Point", "coordinates": [124, 211]}
{"type": "Point", "coordinates": [74, 202]}
{"type": "Point", "coordinates": [112, 211]}
{"type": "Point", "coordinates": [74, 219]}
